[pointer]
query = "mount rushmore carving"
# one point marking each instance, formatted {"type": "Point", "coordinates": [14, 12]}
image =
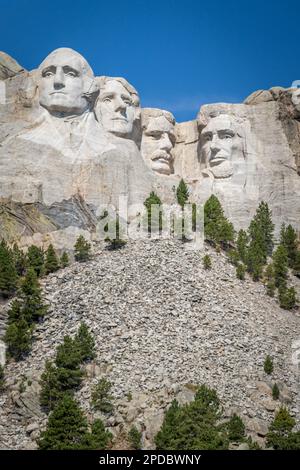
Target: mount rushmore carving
{"type": "Point", "coordinates": [71, 144]}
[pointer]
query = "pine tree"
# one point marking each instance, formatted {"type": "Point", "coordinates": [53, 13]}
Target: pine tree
{"type": "Point", "coordinates": [35, 257]}
{"type": "Point", "coordinates": [18, 338]}
{"type": "Point", "coordinates": [270, 287]}
{"type": "Point", "coordinates": [82, 249]}
{"type": "Point", "coordinates": [287, 297]}
{"type": "Point", "coordinates": [182, 193]}
{"type": "Point", "coordinates": [275, 392]}
{"type": "Point", "coordinates": [263, 226]}
{"type": "Point", "coordinates": [33, 307]}
{"type": "Point", "coordinates": [281, 435]}
{"type": "Point", "coordinates": [269, 280]}
{"type": "Point", "coordinates": [51, 262]}
{"type": "Point", "coordinates": [240, 271]}
{"type": "Point", "coordinates": [51, 390]}
{"type": "Point", "coordinates": [280, 265]}
{"type": "Point", "coordinates": [268, 365]}
{"type": "Point", "coordinates": [288, 239]}
{"type": "Point", "coordinates": [206, 262]}
{"type": "Point", "coordinates": [233, 257]}
{"type": "Point", "coordinates": [85, 343]}
{"type": "Point", "coordinates": [296, 267]}
{"type": "Point", "coordinates": [101, 398]}
{"type": "Point", "coordinates": [67, 427]}
{"type": "Point", "coordinates": [241, 245]}
{"type": "Point", "coordinates": [152, 200]}
{"type": "Point", "coordinates": [99, 438]}
{"type": "Point", "coordinates": [116, 241]}
{"type": "Point", "coordinates": [64, 260]}
{"type": "Point", "coordinates": [8, 273]}
{"type": "Point", "coordinates": [20, 260]}
{"type": "Point", "coordinates": [135, 437]}
{"type": "Point", "coordinates": [68, 354]}
{"type": "Point", "coordinates": [236, 428]}
{"type": "Point", "coordinates": [217, 228]}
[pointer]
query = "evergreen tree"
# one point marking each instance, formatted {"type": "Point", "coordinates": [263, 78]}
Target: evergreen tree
{"type": "Point", "coordinates": [51, 390]}
{"type": "Point", "coordinates": [268, 365]}
{"type": "Point", "coordinates": [135, 437]}
{"type": "Point", "coordinates": [288, 239]}
{"type": "Point", "coordinates": [233, 257]}
{"type": "Point", "coordinates": [236, 429]}
{"type": "Point", "coordinates": [64, 260]}
{"type": "Point", "coordinates": [101, 398]}
{"type": "Point", "coordinates": [68, 354]}
{"type": "Point", "coordinates": [287, 297]}
{"type": "Point", "coordinates": [116, 241]}
{"type": "Point", "coordinates": [85, 343]}
{"type": "Point", "coordinates": [82, 249]}
{"type": "Point", "coordinates": [296, 267]}
{"type": "Point", "coordinates": [269, 280]}
{"type": "Point", "coordinates": [217, 229]}
{"type": "Point", "coordinates": [153, 199]}
{"type": "Point", "coordinates": [207, 262]}
{"type": "Point", "coordinates": [2, 378]}
{"type": "Point", "coordinates": [280, 264]}
{"type": "Point", "coordinates": [67, 427]}
{"type": "Point", "coordinates": [99, 438]}
{"type": "Point", "coordinates": [281, 435]}
{"type": "Point", "coordinates": [35, 257]}
{"type": "Point", "coordinates": [33, 307]}
{"type": "Point", "coordinates": [51, 262]}
{"type": "Point", "coordinates": [241, 245]}
{"type": "Point", "coordinates": [275, 392]}
{"type": "Point", "coordinates": [240, 271]}
{"type": "Point", "coordinates": [194, 425]}
{"type": "Point", "coordinates": [263, 226]}
{"type": "Point", "coordinates": [20, 260]}
{"type": "Point", "coordinates": [18, 338]}
{"type": "Point", "coordinates": [182, 193]}
{"type": "Point", "coordinates": [8, 273]}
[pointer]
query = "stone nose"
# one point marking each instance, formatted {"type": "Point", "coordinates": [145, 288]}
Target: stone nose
{"type": "Point", "coordinates": [215, 144]}
{"type": "Point", "coordinates": [165, 142]}
{"type": "Point", "coordinates": [119, 104]}
{"type": "Point", "coordinates": [59, 78]}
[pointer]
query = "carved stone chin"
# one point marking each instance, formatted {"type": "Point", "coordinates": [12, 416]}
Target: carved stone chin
{"type": "Point", "coordinates": [222, 170]}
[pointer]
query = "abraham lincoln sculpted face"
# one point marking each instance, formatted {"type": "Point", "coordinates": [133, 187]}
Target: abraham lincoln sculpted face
{"type": "Point", "coordinates": [64, 82]}
{"type": "Point", "coordinates": [221, 146]}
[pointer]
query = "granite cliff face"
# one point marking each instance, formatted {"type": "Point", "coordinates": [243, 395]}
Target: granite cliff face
{"type": "Point", "coordinates": [72, 144]}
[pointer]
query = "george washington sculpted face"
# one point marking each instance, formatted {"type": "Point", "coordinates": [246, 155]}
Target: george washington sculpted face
{"type": "Point", "coordinates": [64, 80]}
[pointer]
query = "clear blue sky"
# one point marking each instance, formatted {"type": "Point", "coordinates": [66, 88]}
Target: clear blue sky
{"type": "Point", "coordinates": [178, 54]}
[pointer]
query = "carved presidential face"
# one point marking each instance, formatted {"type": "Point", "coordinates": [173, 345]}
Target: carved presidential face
{"type": "Point", "coordinates": [115, 109]}
{"type": "Point", "coordinates": [157, 142]}
{"type": "Point", "coordinates": [296, 99]}
{"type": "Point", "coordinates": [63, 81]}
{"type": "Point", "coordinates": [221, 146]}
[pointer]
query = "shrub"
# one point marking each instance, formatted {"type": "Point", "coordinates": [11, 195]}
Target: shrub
{"type": "Point", "coordinates": [85, 343]}
{"type": "Point", "coordinates": [240, 271]}
{"type": "Point", "coordinates": [275, 392]}
{"type": "Point", "coordinates": [35, 257]}
{"type": "Point", "coordinates": [182, 193]}
{"type": "Point", "coordinates": [268, 365]}
{"type": "Point", "coordinates": [280, 264]}
{"type": "Point", "coordinates": [8, 273]}
{"type": "Point", "coordinates": [206, 262]}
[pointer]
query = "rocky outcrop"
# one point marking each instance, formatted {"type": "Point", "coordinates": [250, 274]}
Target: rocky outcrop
{"type": "Point", "coordinates": [162, 325]}
{"type": "Point", "coordinates": [8, 66]}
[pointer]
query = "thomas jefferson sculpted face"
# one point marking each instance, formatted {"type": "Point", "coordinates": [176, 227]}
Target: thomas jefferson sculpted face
{"type": "Point", "coordinates": [65, 78]}
{"type": "Point", "coordinates": [222, 145]}
{"type": "Point", "coordinates": [118, 106]}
